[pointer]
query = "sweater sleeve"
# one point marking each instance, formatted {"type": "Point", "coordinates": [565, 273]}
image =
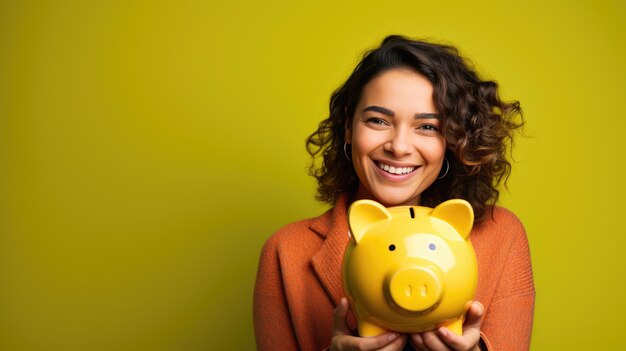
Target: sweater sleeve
{"type": "Point", "coordinates": [508, 321]}
{"type": "Point", "coordinates": [272, 321]}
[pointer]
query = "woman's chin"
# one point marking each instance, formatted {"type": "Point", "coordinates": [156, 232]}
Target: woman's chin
{"type": "Point", "coordinates": [390, 196]}
{"type": "Point", "coordinates": [390, 199]}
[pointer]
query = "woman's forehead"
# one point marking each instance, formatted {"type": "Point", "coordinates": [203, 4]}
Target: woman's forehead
{"type": "Point", "coordinates": [398, 91]}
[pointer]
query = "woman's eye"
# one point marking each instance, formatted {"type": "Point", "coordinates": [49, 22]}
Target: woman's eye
{"type": "Point", "coordinates": [377, 121]}
{"type": "Point", "coordinates": [429, 127]}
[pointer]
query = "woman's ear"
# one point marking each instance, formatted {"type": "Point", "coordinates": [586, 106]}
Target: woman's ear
{"type": "Point", "coordinates": [348, 136]}
{"type": "Point", "coordinates": [348, 127]}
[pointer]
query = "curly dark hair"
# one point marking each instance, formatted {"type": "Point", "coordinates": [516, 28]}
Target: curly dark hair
{"type": "Point", "coordinates": [477, 125]}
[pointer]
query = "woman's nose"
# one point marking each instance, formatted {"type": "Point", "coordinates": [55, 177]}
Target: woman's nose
{"type": "Point", "coordinates": [398, 144]}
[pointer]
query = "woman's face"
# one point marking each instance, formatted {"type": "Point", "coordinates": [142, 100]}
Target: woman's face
{"type": "Point", "coordinates": [397, 145]}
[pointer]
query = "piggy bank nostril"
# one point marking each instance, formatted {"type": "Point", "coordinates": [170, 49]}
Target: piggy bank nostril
{"type": "Point", "coordinates": [408, 290]}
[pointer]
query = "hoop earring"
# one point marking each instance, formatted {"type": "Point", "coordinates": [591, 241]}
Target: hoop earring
{"type": "Point", "coordinates": [447, 168]}
{"type": "Point", "coordinates": [345, 151]}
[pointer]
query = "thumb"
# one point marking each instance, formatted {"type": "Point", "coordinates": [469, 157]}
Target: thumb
{"type": "Point", "coordinates": [339, 317]}
{"type": "Point", "coordinates": [474, 316]}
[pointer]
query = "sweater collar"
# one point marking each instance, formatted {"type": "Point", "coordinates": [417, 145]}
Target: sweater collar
{"type": "Point", "coordinates": [333, 226]}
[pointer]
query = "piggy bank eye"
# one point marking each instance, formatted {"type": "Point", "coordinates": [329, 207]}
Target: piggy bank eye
{"type": "Point", "coordinates": [392, 247]}
{"type": "Point", "coordinates": [432, 247]}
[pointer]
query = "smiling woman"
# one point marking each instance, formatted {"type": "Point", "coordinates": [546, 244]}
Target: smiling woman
{"type": "Point", "coordinates": [475, 123]}
{"type": "Point", "coordinates": [412, 125]}
{"type": "Point", "coordinates": [397, 149]}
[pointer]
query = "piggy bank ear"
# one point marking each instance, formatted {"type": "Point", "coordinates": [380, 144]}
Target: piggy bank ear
{"type": "Point", "coordinates": [458, 213]}
{"type": "Point", "coordinates": [363, 214]}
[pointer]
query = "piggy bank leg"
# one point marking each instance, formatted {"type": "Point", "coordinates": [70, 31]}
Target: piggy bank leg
{"type": "Point", "coordinates": [368, 329]}
{"type": "Point", "coordinates": [456, 326]}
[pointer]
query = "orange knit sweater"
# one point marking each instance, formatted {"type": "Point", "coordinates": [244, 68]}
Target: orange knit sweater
{"type": "Point", "coordinates": [299, 282]}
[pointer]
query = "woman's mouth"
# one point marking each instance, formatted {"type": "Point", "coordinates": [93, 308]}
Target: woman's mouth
{"type": "Point", "coordinates": [395, 170]}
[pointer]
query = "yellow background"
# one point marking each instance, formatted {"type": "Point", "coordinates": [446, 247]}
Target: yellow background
{"type": "Point", "coordinates": [148, 149]}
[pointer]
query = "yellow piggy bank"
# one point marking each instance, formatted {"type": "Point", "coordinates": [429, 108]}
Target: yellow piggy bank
{"type": "Point", "coordinates": [409, 269]}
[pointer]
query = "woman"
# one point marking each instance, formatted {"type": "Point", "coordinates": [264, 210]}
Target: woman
{"type": "Point", "coordinates": [412, 125]}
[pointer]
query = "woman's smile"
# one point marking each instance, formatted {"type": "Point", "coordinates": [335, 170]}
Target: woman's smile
{"type": "Point", "coordinates": [396, 170]}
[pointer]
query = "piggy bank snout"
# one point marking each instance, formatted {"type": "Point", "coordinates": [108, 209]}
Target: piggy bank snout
{"type": "Point", "coordinates": [414, 289]}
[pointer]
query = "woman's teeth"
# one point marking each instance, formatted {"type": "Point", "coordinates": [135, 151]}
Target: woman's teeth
{"type": "Point", "coordinates": [395, 170]}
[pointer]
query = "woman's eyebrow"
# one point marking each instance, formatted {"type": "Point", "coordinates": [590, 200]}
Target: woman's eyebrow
{"type": "Point", "coordinates": [427, 115]}
{"type": "Point", "coordinates": [380, 109]}
{"type": "Point", "coordinates": [388, 112]}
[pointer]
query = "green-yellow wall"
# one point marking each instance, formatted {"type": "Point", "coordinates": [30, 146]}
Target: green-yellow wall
{"type": "Point", "coordinates": [147, 150]}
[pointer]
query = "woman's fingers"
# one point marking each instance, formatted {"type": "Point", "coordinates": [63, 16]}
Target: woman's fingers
{"type": "Point", "coordinates": [339, 317]}
{"type": "Point", "coordinates": [443, 339]}
{"type": "Point", "coordinates": [383, 342]}
{"type": "Point", "coordinates": [433, 342]}
{"type": "Point", "coordinates": [440, 340]}
{"type": "Point", "coordinates": [456, 342]}
{"type": "Point", "coordinates": [418, 341]}
{"type": "Point", "coordinates": [397, 344]}
{"type": "Point", "coordinates": [342, 340]}
{"type": "Point", "coordinates": [471, 329]}
{"type": "Point", "coordinates": [474, 316]}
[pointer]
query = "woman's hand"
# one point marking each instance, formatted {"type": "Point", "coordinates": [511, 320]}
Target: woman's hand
{"type": "Point", "coordinates": [342, 340]}
{"type": "Point", "coordinates": [445, 340]}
